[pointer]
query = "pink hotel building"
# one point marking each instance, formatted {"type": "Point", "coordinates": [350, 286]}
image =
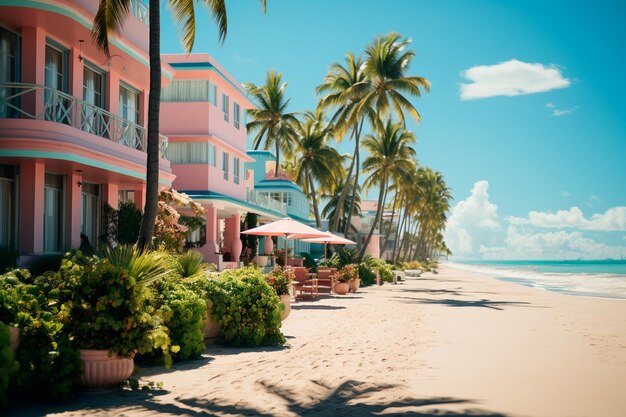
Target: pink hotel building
{"type": "Point", "coordinates": [73, 130]}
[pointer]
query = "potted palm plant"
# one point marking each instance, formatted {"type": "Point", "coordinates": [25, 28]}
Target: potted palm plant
{"type": "Point", "coordinates": [109, 315]}
{"type": "Point", "coordinates": [343, 278]}
{"type": "Point", "coordinates": [280, 279]}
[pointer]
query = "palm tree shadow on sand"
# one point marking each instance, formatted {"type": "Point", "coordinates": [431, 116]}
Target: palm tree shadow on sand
{"type": "Point", "coordinates": [347, 399]}
{"type": "Point", "coordinates": [483, 303]}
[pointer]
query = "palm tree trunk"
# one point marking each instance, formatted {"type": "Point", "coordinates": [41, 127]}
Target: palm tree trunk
{"type": "Point", "coordinates": [357, 159]}
{"type": "Point", "coordinates": [152, 165]}
{"type": "Point", "coordinates": [381, 196]}
{"type": "Point", "coordinates": [318, 220]}
{"type": "Point", "coordinates": [393, 212]}
{"type": "Point", "coordinates": [400, 226]}
{"type": "Point", "coordinates": [344, 192]}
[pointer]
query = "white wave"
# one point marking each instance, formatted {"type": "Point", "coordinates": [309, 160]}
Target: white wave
{"type": "Point", "coordinates": [595, 285]}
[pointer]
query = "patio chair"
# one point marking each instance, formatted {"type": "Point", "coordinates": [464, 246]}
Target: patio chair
{"type": "Point", "coordinates": [306, 285]}
{"type": "Point", "coordinates": [325, 279]}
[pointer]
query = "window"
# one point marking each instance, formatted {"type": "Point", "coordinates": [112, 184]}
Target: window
{"type": "Point", "coordinates": [225, 157]}
{"type": "Point", "coordinates": [186, 91]}
{"type": "Point", "coordinates": [89, 213]}
{"type": "Point", "coordinates": [129, 111]}
{"type": "Point", "coordinates": [213, 94]}
{"type": "Point", "coordinates": [225, 106]}
{"type": "Point", "coordinates": [236, 170]}
{"type": "Point", "coordinates": [212, 156]}
{"type": "Point", "coordinates": [236, 115]}
{"type": "Point", "coordinates": [275, 196]}
{"type": "Point", "coordinates": [57, 106]}
{"type": "Point", "coordinates": [9, 65]}
{"type": "Point", "coordinates": [53, 224]}
{"type": "Point", "coordinates": [188, 152]}
{"type": "Point", "coordinates": [93, 87]}
{"type": "Point", "coordinates": [8, 200]}
{"type": "Point", "coordinates": [126, 196]}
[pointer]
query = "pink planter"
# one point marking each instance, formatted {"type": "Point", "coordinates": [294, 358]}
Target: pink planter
{"type": "Point", "coordinates": [286, 300]}
{"type": "Point", "coordinates": [102, 371]}
{"type": "Point", "coordinates": [355, 284]}
{"type": "Point", "coordinates": [341, 288]}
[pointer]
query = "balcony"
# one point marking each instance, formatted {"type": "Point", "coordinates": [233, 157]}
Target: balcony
{"type": "Point", "coordinates": [37, 102]}
{"type": "Point", "coordinates": [254, 197]}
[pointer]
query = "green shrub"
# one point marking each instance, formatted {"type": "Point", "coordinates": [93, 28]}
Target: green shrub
{"type": "Point", "coordinates": [187, 312]}
{"type": "Point", "coordinates": [246, 307]}
{"type": "Point", "coordinates": [370, 266]}
{"type": "Point", "coordinates": [367, 275]}
{"type": "Point", "coordinates": [45, 263]}
{"type": "Point", "coordinates": [8, 366]}
{"type": "Point", "coordinates": [49, 364]}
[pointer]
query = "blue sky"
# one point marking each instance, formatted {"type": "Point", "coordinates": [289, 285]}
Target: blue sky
{"type": "Point", "coordinates": [547, 152]}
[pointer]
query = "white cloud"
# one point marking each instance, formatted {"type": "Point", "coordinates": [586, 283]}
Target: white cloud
{"type": "Point", "coordinates": [472, 222]}
{"type": "Point", "coordinates": [612, 220]}
{"type": "Point", "coordinates": [559, 113]}
{"type": "Point", "coordinates": [565, 194]}
{"type": "Point", "coordinates": [510, 78]}
{"type": "Point", "coordinates": [551, 245]}
{"type": "Point", "coordinates": [474, 230]}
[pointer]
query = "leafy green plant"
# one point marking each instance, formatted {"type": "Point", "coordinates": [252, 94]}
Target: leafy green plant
{"type": "Point", "coordinates": [188, 312]}
{"type": "Point", "coordinates": [347, 273]}
{"type": "Point", "coordinates": [49, 364]}
{"type": "Point", "coordinates": [110, 306]}
{"type": "Point", "coordinates": [8, 366]}
{"type": "Point", "coordinates": [144, 267]}
{"type": "Point", "coordinates": [246, 307]}
{"type": "Point", "coordinates": [280, 279]}
{"type": "Point", "coordinates": [190, 263]}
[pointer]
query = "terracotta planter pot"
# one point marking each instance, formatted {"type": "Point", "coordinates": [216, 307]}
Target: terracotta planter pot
{"type": "Point", "coordinates": [341, 288]}
{"type": "Point", "coordinates": [286, 300]}
{"type": "Point", "coordinates": [355, 284]}
{"type": "Point", "coordinates": [261, 260]}
{"type": "Point", "coordinates": [101, 371]}
{"type": "Point", "coordinates": [14, 338]}
{"type": "Point", "coordinates": [211, 326]}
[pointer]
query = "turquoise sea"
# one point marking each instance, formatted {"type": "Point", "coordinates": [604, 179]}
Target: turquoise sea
{"type": "Point", "coordinates": [594, 278]}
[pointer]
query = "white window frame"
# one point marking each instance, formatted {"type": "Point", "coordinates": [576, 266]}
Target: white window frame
{"type": "Point", "coordinates": [236, 169]}
{"type": "Point", "coordinates": [226, 106]}
{"type": "Point", "coordinates": [225, 162]}
{"type": "Point", "coordinates": [236, 115]}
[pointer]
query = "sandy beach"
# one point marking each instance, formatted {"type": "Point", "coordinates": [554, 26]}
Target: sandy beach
{"type": "Point", "coordinates": [451, 344]}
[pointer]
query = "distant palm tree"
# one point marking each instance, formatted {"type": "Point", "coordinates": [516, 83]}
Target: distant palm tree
{"type": "Point", "coordinates": [109, 18]}
{"type": "Point", "coordinates": [330, 209]}
{"type": "Point", "coordinates": [390, 153]}
{"type": "Point", "coordinates": [274, 126]}
{"type": "Point", "coordinates": [316, 162]}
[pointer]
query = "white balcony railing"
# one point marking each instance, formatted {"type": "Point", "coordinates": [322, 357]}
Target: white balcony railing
{"type": "Point", "coordinates": [32, 101]}
{"type": "Point", "coordinates": [254, 197]}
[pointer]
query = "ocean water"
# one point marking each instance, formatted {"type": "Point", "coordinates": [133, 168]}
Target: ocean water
{"type": "Point", "coordinates": [597, 278]}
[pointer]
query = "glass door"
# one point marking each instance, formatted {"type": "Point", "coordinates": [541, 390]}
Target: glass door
{"type": "Point", "coordinates": [57, 105]}
{"type": "Point", "coordinates": [8, 72]}
{"type": "Point", "coordinates": [92, 119]}
{"type": "Point", "coordinates": [89, 213]}
{"type": "Point", "coordinates": [53, 224]}
{"type": "Point", "coordinates": [129, 111]}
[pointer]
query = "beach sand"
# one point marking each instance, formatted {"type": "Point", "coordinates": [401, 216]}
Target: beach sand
{"type": "Point", "coordinates": [452, 344]}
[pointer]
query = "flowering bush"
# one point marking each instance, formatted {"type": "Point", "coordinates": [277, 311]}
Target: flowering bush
{"type": "Point", "coordinates": [347, 273]}
{"type": "Point", "coordinates": [280, 280]}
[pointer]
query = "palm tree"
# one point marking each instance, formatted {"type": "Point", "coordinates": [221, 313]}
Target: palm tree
{"type": "Point", "coordinates": [349, 114]}
{"type": "Point", "coordinates": [315, 160]}
{"type": "Point", "coordinates": [385, 69]}
{"type": "Point", "coordinates": [109, 18]}
{"type": "Point", "coordinates": [330, 209]}
{"type": "Point", "coordinates": [274, 125]}
{"type": "Point", "coordinates": [390, 153]}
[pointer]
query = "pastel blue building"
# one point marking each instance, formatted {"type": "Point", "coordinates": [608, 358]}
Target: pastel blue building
{"type": "Point", "coordinates": [282, 189]}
